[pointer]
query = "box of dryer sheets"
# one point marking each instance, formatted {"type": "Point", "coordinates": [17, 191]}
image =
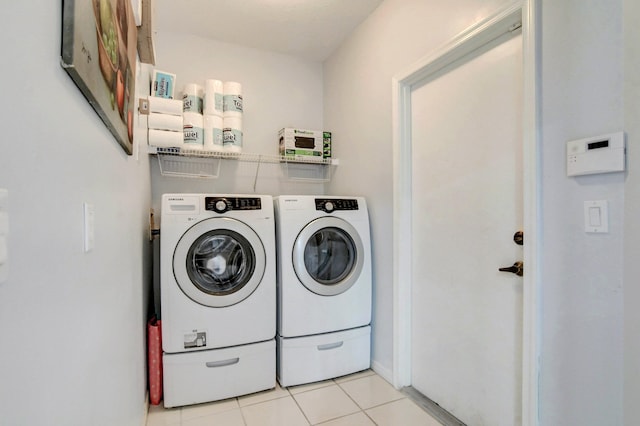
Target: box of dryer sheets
{"type": "Point", "coordinates": [300, 144]}
{"type": "Point", "coordinates": [326, 145]}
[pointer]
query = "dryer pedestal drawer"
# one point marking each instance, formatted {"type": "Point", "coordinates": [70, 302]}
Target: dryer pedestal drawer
{"type": "Point", "coordinates": [324, 356]}
{"type": "Point", "coordinates": [203, 376]}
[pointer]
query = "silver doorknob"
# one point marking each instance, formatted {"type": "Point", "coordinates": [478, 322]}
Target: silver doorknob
{"type": "Point", "coordinates": [516, 268]}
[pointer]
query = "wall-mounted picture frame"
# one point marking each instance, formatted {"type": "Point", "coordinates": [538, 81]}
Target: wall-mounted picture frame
{"type": "Point", "coordinates": [99, 50]}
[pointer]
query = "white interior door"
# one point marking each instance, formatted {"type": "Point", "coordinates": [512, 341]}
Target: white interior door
{"type": "Point", "coordinates": [466, 321]}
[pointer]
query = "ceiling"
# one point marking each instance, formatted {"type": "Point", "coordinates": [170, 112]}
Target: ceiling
{"type": "Point", "coordinates": [311, 29]}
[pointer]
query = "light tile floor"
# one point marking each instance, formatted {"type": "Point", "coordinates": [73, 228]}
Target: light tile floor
{"type": "Point", "coordinates": [361, 399]}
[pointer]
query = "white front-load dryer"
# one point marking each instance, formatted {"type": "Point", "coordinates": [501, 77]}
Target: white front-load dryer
{"type": "Point", "coordinates": [218, 296]}
{"type": "Point", "coordinates": [324, 287]}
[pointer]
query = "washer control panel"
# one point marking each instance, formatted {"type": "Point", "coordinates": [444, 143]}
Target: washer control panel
{"type": "Point", "coordinates": [224, 204]}
{"type": "Point", "coordinates": [329, 205]}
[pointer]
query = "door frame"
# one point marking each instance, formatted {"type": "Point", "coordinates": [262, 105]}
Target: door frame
{"type": "Point", "coordinates": [522, 13]}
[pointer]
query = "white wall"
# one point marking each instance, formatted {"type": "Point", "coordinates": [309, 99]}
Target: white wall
{"type": "Point", "coordinates": [357, 109]}
{"type": "Point", "coordinates": [582, 278]}
{"type": "Point", "coordinates": [632, 213]}
{"type": "Point", "coordinates": [581, 297]}
{"type": "Point", "coordinates": [278, 91]}
{"type": "Point", "coordinates": [72, 336]}
{"type": "Point", "coordinates": [71, 324]}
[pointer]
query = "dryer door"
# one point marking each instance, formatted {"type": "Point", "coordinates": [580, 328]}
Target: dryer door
{"type": "Point", "coordinates": [219, 262]}
{"type": "Point", "coordinates": [328, 256]}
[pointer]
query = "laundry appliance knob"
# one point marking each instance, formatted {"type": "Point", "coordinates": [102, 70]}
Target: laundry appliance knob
{"type": "Point", "coordinates": [220, 206]}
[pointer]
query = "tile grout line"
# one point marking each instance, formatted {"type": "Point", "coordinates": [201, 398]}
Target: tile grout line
{"type": "Point", "coordinates": [339, 384]}
{"type": "Point", "coordinates": [299, 407]}
{"type": "Point", "coordinates": [244, 419]}
{"type": "Point", "coordinates": [362, 410]}
{"type": "Point", "coordinates": [403, 396]}
{"type": "Point", "coordinates": [334, 383]}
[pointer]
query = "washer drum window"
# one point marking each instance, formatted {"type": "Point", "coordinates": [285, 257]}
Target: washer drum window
{"type": "Point", "coordinates": [328, 256]}
{"type": "Point", "coordinates": [219, 262]}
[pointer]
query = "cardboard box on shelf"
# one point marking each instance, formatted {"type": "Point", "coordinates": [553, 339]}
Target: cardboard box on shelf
{"type": "Point", "coordinates": [301, 144]}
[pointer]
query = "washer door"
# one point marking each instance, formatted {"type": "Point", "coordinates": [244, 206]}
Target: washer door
{"type": "Point", "coordinates": [219, 262]}
{"type": "Point", "coordinates": [328, 256]}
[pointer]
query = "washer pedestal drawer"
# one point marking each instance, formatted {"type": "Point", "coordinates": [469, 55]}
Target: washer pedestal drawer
{"type": "Point", "coordinates": [323, 356]}
{"type": "Point", "coordinates": [204, 376]}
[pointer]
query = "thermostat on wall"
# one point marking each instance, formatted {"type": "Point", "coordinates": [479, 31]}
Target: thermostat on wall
{"type": "Point", "coordinates": [600, 154]}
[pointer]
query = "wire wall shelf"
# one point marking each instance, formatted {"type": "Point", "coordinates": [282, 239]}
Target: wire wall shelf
{"type": "Point", "coordinates": [206, 164]}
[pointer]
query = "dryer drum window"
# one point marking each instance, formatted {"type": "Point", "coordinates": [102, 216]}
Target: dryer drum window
{"type": "Point", "coordinates": [220, 262]}
{"type": "Point", "coordinates": [330, 255]}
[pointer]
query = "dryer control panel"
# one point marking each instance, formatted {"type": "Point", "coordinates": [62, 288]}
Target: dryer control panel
{"type": "Point", "coordinates": [329, 205]}
{"type": "Point", "coordinates": [223, 204]}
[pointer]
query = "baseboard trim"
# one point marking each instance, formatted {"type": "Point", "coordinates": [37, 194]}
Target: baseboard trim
{"type": "Point", "coordinates": [145, 413]}
{"type": "Point", "coordinates": [382, 371]}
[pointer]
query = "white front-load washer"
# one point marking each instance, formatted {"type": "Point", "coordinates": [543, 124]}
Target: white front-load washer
{"type": "Point", "coordinates": [218, 296]}
{"type": "Point", "coordinates": [324, 287]}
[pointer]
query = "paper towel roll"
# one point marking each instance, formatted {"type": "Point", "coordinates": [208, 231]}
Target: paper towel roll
{"type": "Point", "coordinates": [193, 130]}
{"type": "Point", "coordinates": [232, 134]}
{"type": "Point", "coordinates": [165, 138]}
{"type": "Point", "coordinates": [192, 98]}
{"type": "Point", "coordinates": [213, 96]}
{"type": "Point", "coordinates": [160, 121]}
{"type": "Point", "coordinates": [213, 133]}
{"type": "Point", "coordinates": [232, 99]}
{"type": "Point", "coordinates": [165, 106]}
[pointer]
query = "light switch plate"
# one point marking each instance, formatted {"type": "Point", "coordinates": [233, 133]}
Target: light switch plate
{"type": "Point", "coordinates": [596, 216]}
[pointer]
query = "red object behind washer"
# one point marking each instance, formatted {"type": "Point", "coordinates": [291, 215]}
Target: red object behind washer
{"type": "Point", "coordinates": [154, 342]}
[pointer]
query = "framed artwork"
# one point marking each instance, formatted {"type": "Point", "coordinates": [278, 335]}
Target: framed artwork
{"type": "Point", "coordinates": [99, 49]}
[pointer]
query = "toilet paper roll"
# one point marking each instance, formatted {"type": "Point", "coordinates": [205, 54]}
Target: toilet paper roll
{"type": "Point", "coordinates": [232, 99]}
{"type": "Point", "coordinates": [160, 121]}
{"type": "Point", "coordinates": [213, 97]}
{"type": "Point", "coordinates": [192, 98]}
{"type": "Point", "coordinates": [165, 138]}
{"type": "Point", "coordinates": [232, 134]}
{"type": "Point", "coordinates": [193, 130]}
{"type": "Point", "coordinates": [213, 125]}
{"type": "Point", "coordinates": [165, 106]}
